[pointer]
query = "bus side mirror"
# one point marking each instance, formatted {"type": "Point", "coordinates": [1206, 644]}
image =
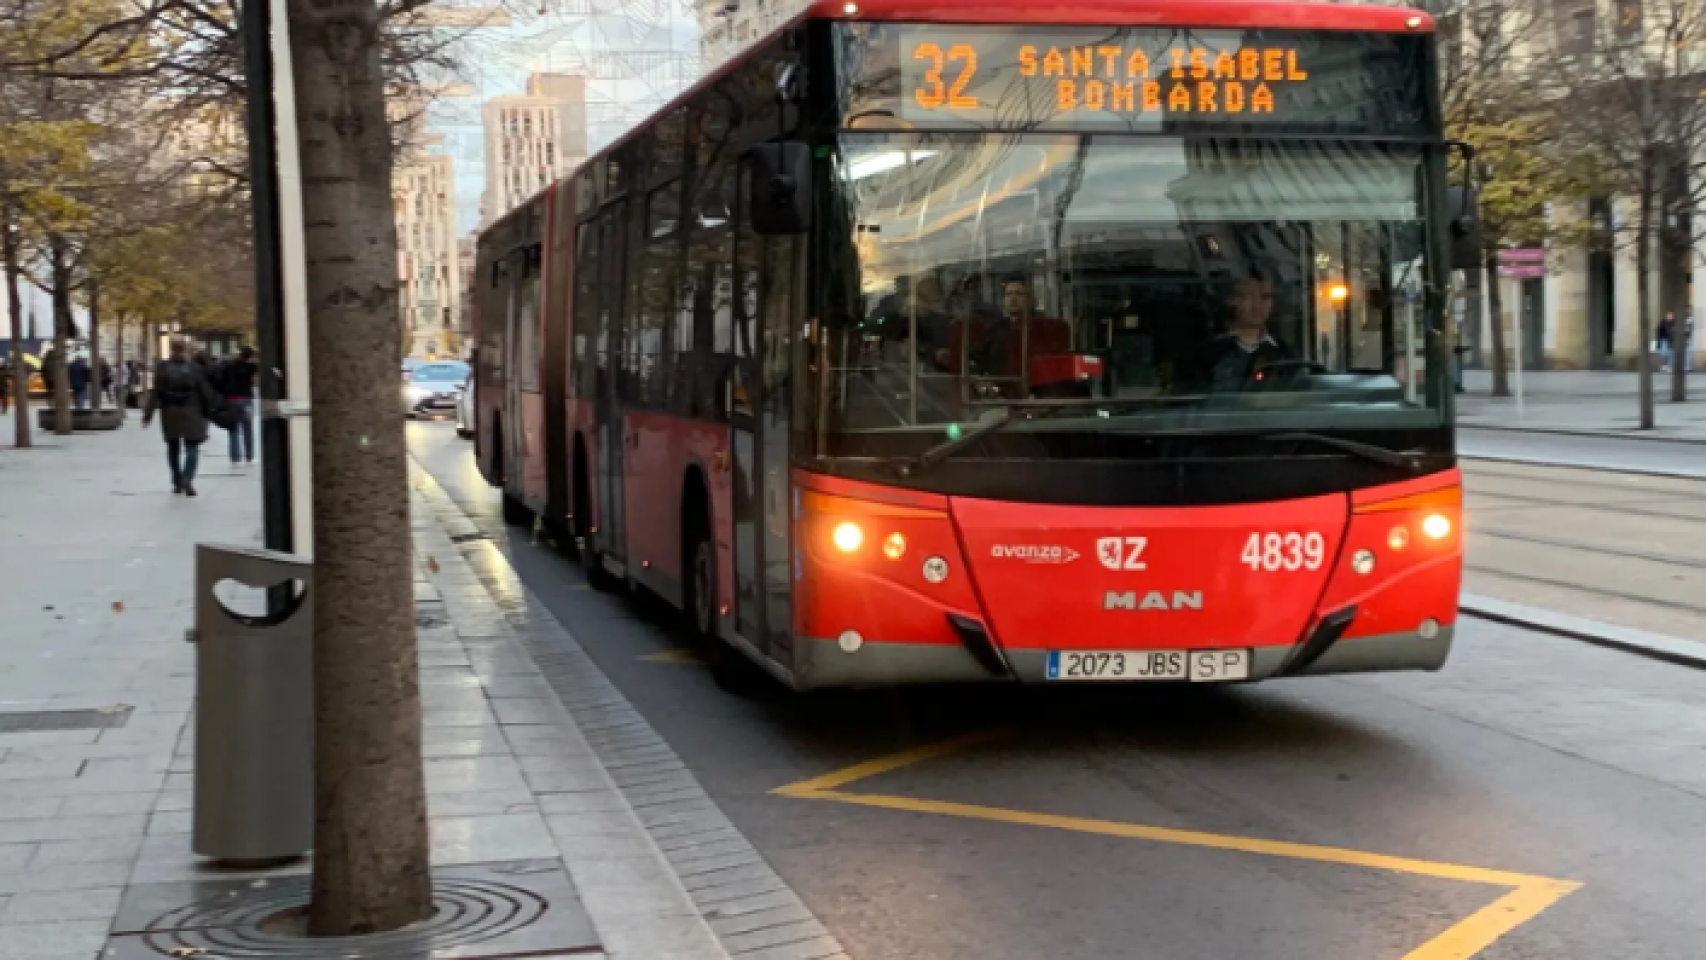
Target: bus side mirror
{"type": "Point", "coordinates": [779, 197]}
{"type": "Point", "coordinates": [1462, 206]}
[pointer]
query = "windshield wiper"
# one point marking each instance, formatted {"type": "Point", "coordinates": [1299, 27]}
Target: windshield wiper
{"type": "Point", "coordinates": [1022, 410]}
{"type": "Point", "coordinates": [1408, 459]}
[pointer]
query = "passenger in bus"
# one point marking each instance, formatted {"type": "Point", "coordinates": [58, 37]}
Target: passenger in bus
{"type": "Point", "coordinates": [1238, 358]}
{"type": "Point", "coordinates": [995, 347]}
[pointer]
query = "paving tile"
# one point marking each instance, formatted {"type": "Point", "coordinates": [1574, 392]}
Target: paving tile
{"type": "Point", "coordinates": [67, 876]}
{"type": "Point", "coordinates": [523, 710]}
{"type": "Point", "coordinates": [13, 856]}
{"type": "Point", "coordinates": [481, 803]}
{"type": "Point", "coordinates": [473, 774]}
{"type": "Point", "coordinates": [97, 904]}
{"type": "Point", "coordinates": [70, 828]}
{"type": "Point", "coordinates": [169, 822]}
{"type": "Point", "coordinates": [175, 800]}
{"type": "Point", "coordinates": [52, 770]}
{"type": "Point", "coordinates": [31, 808]}
{"type": "Point", "coordinates": [488, 839]}
{"type": "Point", "coordinates": [78, 940]}
{"type": "Point", "coordinates": [56, 852]}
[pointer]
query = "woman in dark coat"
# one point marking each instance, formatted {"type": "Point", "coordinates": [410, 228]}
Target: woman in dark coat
{"type": "Point", "coordinates": [182, 396]}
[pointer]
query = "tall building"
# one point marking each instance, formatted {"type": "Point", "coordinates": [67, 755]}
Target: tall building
{"type": "Point", "coordinates": [465, 250]}
{"type": "Point", "coordinates": [532, 140]}
{"type": "Point", "coordinates": [428, 268]}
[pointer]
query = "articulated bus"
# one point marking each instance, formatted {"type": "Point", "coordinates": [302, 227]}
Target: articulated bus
{"type": "Point", "coordinates": [939, 340]}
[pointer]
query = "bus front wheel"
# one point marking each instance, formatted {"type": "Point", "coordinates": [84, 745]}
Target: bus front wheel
{"type": "Point", "coordinates": [730, 669]}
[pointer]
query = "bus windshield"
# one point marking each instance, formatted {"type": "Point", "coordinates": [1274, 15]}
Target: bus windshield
{"type": "Point", "coordinates": [1242, 284]}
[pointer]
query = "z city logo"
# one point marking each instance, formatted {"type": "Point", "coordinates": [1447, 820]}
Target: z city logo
{"type": "Point", "coordinates": [1122, 553]}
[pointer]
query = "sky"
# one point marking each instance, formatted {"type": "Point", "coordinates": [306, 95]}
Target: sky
{"type": "Point", "coordinates": [623, 46]}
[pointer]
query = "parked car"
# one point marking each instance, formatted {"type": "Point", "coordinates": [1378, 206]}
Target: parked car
{"type": "Point", "coordinates": [432, 389]}
{"type": "Point", "coordinates": [465, 409]}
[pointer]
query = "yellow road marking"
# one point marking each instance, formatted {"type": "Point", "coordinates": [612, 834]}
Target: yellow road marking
{"type": "Point", "coordinates": [1528, 897]}
{"type": "Point", "coordinates": [1476, 932]}
{"type": "Point", "coordinates": [676, 656]}
{"type": "Point", "coordinates": [820, 788]}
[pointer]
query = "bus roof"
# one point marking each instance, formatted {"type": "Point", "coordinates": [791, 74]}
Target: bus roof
{"type": "Point", "coordinates": [1273, 14]}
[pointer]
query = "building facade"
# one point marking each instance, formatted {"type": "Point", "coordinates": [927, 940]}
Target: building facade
{"type": "Point", "coordinates": [428, 267]}
{"type": "Point", "coordinates": [531, 140]}
{"type": "Point", "coordinates": [1578, 306]}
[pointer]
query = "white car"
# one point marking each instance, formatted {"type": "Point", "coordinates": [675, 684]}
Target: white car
{"type": "Point", "coordinates": [465, 409]}
{"type": "Point", "coordinates": [432, 389]}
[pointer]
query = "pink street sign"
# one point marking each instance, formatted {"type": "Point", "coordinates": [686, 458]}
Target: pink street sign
{"type": "Point", "coordinates": [1522, 263]}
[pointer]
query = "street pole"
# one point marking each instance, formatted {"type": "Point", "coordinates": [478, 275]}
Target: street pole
{"type": "Point", "coordinates": [269, 279]}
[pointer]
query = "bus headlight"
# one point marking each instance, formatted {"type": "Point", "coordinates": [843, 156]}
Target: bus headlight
{"type": "Point", "coordinates": [894, 547]}
{"type": "Point", "coordinates": [847, 537]}
{"type": "Point", "coordinates": [1437, 526]}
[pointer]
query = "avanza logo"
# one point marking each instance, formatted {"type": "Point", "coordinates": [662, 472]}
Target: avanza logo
{"type": "Point", "coordinates": [1033, 553]}
{"type": "Point", "coordinates": [1153, 600]}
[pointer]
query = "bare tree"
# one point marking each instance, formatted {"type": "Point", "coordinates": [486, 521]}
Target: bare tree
{"type": "Point", "coordinates": [1634, 88]}
{"type": "Point", "coordinates": [1485, 92]}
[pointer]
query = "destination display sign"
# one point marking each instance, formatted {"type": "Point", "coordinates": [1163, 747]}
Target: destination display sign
{"type": "Point", "coordinates": [970, 75]}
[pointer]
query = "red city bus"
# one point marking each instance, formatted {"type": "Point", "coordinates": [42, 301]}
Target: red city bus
{"type": "Point", "coordinates": [950, 341]}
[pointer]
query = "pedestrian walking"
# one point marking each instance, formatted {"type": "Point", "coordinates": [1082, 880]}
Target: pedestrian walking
{"type": "Point", "coordinates": [5, 384]}
{"type": "Point", "coordinates": [78, 374]}
{"type": "Point", "coordinates": [182, 397]}
{"type": "Point", "coordinates": [1662, 341]}
{"type": "Point", "coordinates": [237, 382]}
{"type": "Point", "coordinates": [104, 375]}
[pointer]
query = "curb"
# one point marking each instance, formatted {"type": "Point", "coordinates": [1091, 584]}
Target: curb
{"type": "Point", "coordinates": [1654, 646]}
{"type": "Point", "coordinates": [1594, 434]}
{"type": "Point", "coordinates": [1537, 461]}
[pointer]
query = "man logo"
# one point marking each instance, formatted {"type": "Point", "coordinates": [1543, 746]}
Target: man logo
{"type": "Point", "coordinates": [1153, 600]}
{"type": "Point", "coordinates": [1122, 553]}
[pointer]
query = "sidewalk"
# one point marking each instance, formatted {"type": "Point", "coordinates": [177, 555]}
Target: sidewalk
{"type": "Point", "coordinates": [95, 812]}
{"type": "Point", "coordinates": [1592, 402]}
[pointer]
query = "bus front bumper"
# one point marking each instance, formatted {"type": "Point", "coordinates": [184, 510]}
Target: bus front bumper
{"type": "Point", "coordinates": [823, 663]}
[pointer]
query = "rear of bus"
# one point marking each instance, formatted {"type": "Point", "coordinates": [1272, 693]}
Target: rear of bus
{"type": "Point", "coordinates": [1126, 355]}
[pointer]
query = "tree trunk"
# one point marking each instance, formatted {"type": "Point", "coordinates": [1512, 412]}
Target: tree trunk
{"type": "Point", "coordinates": [370, 839]}
{"type": "Point", "coordinates": [95, 385]}
{"type": "Point", "coordinates": [15, 303]}
{"type": "Point", "coordinates": [1682, 345]}
{"type": "Point", "coordinates": [61, 294]}
{"type": "Point", "coordinates": [1496, 324]}
{"type": "Point", "coordinates": [1644, 296]}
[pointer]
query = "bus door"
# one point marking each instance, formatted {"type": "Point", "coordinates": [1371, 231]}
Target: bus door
{"type": "Point", "coordinates": [741, 398]}
{"type": "Point", "coordinates": [782, 313]}
{"type": "Point", "coordinates": [509, 447]}
{"type": "Point", "coordinates": [768, 300]}
{"type": "Point", "coordinates": [612, 225]}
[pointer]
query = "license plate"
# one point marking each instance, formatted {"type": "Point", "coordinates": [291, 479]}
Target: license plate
{"type": "Point", "coordinates": [1196, 666]}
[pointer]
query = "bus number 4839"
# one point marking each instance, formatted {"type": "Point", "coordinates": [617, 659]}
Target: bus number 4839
{"type": "Point", "coordinates": [1283, 551]}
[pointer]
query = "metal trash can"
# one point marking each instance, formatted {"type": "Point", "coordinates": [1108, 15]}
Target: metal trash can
{"type": "Point", "coordinates": [254, 717]}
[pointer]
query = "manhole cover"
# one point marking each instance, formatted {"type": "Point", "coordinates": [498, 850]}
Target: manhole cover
{"type": "Point", "coordinates": [43, 721]}
{"type": "Point", "coordinates": [487, 911]}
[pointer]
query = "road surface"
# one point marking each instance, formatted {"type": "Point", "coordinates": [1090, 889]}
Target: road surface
{"type": "Point", "coordinates": [1539, 798]}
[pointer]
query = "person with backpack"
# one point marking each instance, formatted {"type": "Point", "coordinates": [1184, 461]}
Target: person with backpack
{"type": "Point", "coordinates": [184, 399]}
